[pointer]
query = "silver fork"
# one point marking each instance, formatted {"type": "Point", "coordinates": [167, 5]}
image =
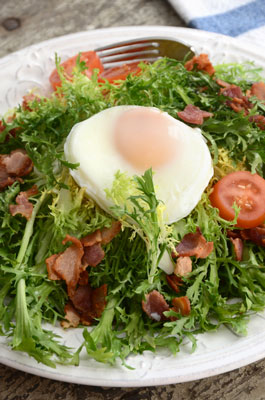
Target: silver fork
{"type": "Point", "coordinates": [143, 49]}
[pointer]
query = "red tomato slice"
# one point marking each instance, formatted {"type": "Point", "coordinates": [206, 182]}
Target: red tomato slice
{"type": "Point", "coordinates": [91, 59]}
{"type": "Point", "coordinates": [247, 191]}
{"type": "Point", "coordinates": [117, 73]}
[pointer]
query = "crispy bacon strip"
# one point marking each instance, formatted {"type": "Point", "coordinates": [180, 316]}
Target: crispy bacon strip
{"type": "Point", "coordinates": [258, 90]}
{"type": "Point", "coordinates": [93, 255]}
{"type": "Point", "coordinates": [238, 247]}
{"type": "Point", "coordinates": [238, 101]}
{"type": "Point", "coordinates": [181, 305]}
{"type": "Point", "coordinates": [72, 317]}
{"type": "Point", "coordinates": [183, 266]}
{"type": "Point", "coordinates": [154, 305]}
{"type": "Point", "coordinates": [67, 265]}
{"type": "Point", "coordinates": [193, 114]}
{"type": "Point", "coordinates": [89, 303]}
{"type": "Point", "coordinates": [13, 166]}
{"type": "Point", "coordinates": [108, 234]}
{"type": "Point", "coordinates": [23, 206]}
{"type": "Point", "coordinates": [201, 63]}
{"type": "Point", "coordinates": [92, 238]}
{"type": "Point", "coordinates": [174, 282]}
{"type": "Point", "coordinates": [256, 235]}
{"type": "Point", "coordinates": [99, 300]}
{"type": "Point", "coordinates": [194, 244]}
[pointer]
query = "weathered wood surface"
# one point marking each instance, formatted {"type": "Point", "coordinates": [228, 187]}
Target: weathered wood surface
{"type": "Point", "coordinates": [29, 21]}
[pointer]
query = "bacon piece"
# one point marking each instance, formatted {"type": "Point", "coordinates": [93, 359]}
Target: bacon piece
{"type": "Point", "coordinates": [13, 166]}
{"type": "Point", "coordinates": [90, 303]}
{"type": "Point", "coordinates": [67, 265]}
{"type": "Point", "coordinates": [99, 300]}
{"type": "Point", "coordinates": [257, 235]}
{"type": "Point", "coordinates": [194, 244]}
{"type": "Point", "coordinates": [174, 282]}
{"type": "Point", "coordinates": [155, 305]}
{"type": "Point", "coordinates": [92, 238]}
{"type": "Point", "coordinates": [222, 83]}
{"type": "Point", "coordinates": [83, 278]}
{"type": "Point", "coordinates": [50, 261]}
{"type": "Point", "coordinates": [109, 233]}
{"type": "Point", "coordinates": [238, 248]}
{"type": "Point", "coordinates": [201, 63]}
{"type": "Point", "coordinates": [72, 317]}
{"type": "Point", "coordinates": [183, 266]}
{"type": "Point", "coordinates": [93, 255]}
{"type": "Point", "coordinates": [193, 115]}
{"type": "Point", "coordinates": [238, 101]}
{"type": "Point", "coordinates": [258, 90]}
{"type": "Point", "coordinates": [82, 299]}
{"type": "Point", "coordinates": [181, 305]}
{"type": "Point", "coordinates": [23, 206]}
{"type": "Point", "coordinates": [259, 120]}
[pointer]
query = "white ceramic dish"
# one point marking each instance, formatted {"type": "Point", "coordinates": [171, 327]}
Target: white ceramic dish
{"type": "Point", "coordinates": [217, 352]}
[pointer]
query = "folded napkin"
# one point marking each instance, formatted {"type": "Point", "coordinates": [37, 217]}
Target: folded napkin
{"type": "Point", "coordinates": [240, 18]}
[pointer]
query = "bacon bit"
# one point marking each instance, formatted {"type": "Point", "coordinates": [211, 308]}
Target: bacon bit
{"type": "Point", "coordinates": [232, 91]}
{"type": "Point", "coordinates": [181, 305]}
{"type": "Point", "coordinates": [50, 261]}
{"type": "Point", "coordinates": [93, 255]}
{"type": "Point", "coordinates": [238, 248]}
{"type": "Point", "coordinates": [83, 278]}
{"type": "Point", "coordinates": [67, 265]}
{"type": "Point", "coordinates": [194, 244]}
{"type": "Point", "coordinates": [13, 166]}
{"type": "Point", "coordinates": [109, 233]}
{"type": "Point", "coordinates": [155, 305]}
{"type": "Point", "coordinates": [28, 98]}
{"type": "Point", "coordinates": [90, 303]}
{"type": "Point", "coordinates": [99, 300]}
{"type": "Point", "coordinates": [72, 317]}
{"type": "Point", "coordinates": [174, 282]}
{"type": "Point", "coordinates": [193, 114]}
{"type": "Point", "coordinates": [183, 266]}
{"type": "Point", "coordinates": [24, 207]}
{"type": "Point", "coordinates": [239, 102]}
{"type": "Point", "coordinates": [92, 238]}
{"type": "Point", "coordinates": [255, 235]}
{"type": "Point", "coordinates": [259, 120]}
{"type": "Point", "coordinates": [82, 299]}
{"type": "Point", "coordinates": [258, 90]}
{"type": "Point", "coordinates": [201, 63]}
{"type": "Point", "coordinates": [222, 83]}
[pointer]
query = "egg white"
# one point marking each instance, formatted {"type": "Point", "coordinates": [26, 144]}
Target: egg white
{"type": "Point", "coordinates": [179, 183]}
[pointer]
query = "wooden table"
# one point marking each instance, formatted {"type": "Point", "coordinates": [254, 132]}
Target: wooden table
{"type": "Point", "coordinates": [29, 21]}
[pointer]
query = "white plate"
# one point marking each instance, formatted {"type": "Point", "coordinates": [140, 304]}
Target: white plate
{"type": "Point", "coordinates": [217, 352]}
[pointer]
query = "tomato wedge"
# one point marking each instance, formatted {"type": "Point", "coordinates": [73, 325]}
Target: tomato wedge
{"type": "Point", "coordinates": [247, 191]}
{"type": "Point", "coordinates": [117, 73]}
{"type": "Point", "coordinates": [89, 57]}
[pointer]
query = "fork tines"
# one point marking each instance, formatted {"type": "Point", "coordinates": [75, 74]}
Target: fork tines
{"type": "Point", "coordinates": [143, 49]}
{"type": "Point", "coordinates": [129, 51]}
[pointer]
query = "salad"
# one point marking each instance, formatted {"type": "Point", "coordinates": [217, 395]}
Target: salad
{"type": "Point", "coordinates": [66, 260]}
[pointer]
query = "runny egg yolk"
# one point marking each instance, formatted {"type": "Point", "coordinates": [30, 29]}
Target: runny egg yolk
{"type": "Point", "coordinates": [143, 137]}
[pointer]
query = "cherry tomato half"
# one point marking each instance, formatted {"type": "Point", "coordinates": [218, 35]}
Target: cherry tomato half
{"type": "Point", "coordinates": [247, 191]}
{"type": "Point", "coordinates": [89, 57]}
{"type": "Point", "coordinates": [117, 73]}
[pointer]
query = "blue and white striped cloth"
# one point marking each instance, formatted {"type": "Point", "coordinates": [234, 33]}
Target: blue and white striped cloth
{"type": "Point", "coordinates": [238, 18]}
